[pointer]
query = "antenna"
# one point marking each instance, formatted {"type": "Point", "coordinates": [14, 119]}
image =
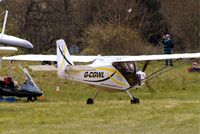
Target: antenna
{"type": "Point", "coordinates": [4, 23]}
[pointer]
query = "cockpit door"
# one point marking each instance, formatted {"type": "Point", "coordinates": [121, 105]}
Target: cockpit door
{"type": "Point", "coordinates": [128, 70]}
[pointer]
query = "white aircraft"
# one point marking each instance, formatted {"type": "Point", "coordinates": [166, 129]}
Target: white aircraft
{"type": "Point", "coordinates": [11, 40]}
{"type": "Point", "coordinates": [108, 73]}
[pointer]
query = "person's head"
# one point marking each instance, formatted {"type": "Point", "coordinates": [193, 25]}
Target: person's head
{"type": "Point", "coordinates": [131, 66]}
{"type": "Point", "coordinates": [194, 64]}
{"type": "Point", "coordinates": [167, 36]}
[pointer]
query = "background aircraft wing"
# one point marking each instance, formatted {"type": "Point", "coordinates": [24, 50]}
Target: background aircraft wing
{"type": "Point", "coordinates": [15, 41]}
{"type": "Point", "coordinates": [12, 40]}
{"type": "Point", "coordinates": [31, 57]}
{"type": "Point", "coordinates": [7, 50]}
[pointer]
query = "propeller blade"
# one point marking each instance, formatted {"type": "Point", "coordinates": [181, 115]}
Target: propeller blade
{"type": "Point", "coordinates": [145, 66]}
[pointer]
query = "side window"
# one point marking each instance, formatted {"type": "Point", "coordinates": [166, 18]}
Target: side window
{"type": "Point", "coordinates": [122, 67]}
{"type": "Point", "coordinates": [128, 70]}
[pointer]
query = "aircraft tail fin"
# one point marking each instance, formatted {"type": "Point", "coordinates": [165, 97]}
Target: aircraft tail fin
{"type": "Point", "coordinates": [63, 57]}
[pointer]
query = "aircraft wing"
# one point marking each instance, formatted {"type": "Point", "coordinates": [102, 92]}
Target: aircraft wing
{"type": "Point", "coordinates": [14, 41]}
{"type": "Point", "coordinates": [155, 57]}
{"type": "Point", "coordinates": [34, 57]}
{"type": "Point", "coordinates": [54, 68]}
{"type": "Point", "coordinates": [31, 57]}
{"type": "Point", "coordinates": [7, 50]}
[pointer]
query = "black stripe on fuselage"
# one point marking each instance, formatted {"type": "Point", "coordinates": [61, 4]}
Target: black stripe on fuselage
{"type": "Point", "coordinates": [102, 79]}
{"type": "Point", "coordinates": [64, 56]}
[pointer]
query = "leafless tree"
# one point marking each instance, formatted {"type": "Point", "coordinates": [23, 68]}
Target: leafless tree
{"type": "Point", "coordinates": [183, 16]}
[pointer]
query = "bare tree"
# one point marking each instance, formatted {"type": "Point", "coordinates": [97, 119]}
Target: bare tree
{"type": "Point", "coordinates": [185, 22]}
{"type": "Point", "coordinates": [42, 21]}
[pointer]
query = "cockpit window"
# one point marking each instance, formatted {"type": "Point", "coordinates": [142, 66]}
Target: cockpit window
{"type": "Point", "coordinates": [130, 67]}
{"type": "Point", "coordinates": [128, 70]}
{"type": "Point", "coordinates": [125, 66]}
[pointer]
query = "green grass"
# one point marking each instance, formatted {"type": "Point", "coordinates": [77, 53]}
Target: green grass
{"type": "Point", "coordinates": [171, 106]}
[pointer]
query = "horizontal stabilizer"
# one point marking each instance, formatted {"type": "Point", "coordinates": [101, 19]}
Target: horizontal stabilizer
{"type": "Point", "coordinates": [81, 68]}
{"type": "Point", "coordinates": [43, 68]}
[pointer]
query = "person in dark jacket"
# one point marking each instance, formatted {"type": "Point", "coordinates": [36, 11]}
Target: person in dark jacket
{"type": "Point", "coordinates": [168, 46]}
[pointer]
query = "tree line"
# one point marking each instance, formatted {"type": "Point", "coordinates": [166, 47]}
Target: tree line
{"type": "Point", "coordinates": [105, 26]}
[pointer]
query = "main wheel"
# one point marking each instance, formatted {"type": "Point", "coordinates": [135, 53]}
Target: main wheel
{"type": "Point", "coordinates": [135, 101]}
{"type": "Point", "coordinates": [90, 101]}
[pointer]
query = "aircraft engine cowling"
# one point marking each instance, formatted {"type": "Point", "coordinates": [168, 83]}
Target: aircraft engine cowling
{"type": "Point", "coordinates": [141, 77]}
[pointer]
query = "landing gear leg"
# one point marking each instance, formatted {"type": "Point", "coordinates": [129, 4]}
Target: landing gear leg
{"type": "Point", "coordinates": [134, 100]}
{"type": "Point", "coordinates": [91, 100]}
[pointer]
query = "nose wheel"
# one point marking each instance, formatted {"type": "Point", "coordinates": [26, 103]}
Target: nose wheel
{"type": "Point", "coordinates": [134, 100]}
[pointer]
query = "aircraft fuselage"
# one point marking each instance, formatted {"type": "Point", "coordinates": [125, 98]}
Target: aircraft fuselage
{"type": "Point", "coordinates": [110, 77]}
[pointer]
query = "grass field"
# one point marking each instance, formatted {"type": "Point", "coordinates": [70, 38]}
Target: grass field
{"type": "Point", "coordinates": [170, 106]}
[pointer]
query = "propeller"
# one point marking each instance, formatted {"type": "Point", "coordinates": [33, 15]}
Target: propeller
{"type": "Point", "coordinates": [145, 66]}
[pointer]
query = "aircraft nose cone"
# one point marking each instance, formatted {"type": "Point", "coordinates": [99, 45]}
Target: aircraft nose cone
{"type": "Point", "coordinates": [15, 41]}
{"type": "Point", "coordinates": [27, 44]}
{"type": "Point", "coordinates": [39, 93]}
{"type": "Point", "coordinates": [36, 92]}
{"type": "Point", "coordinates": [142, 77]}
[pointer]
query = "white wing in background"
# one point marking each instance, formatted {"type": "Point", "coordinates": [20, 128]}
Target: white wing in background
{"type": "Point", "coordinates": [14, 41]}
{"type": "Point", "coordinates": [7, 50]}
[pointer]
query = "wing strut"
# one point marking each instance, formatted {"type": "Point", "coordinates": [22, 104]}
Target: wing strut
{"type": "Point", "coordinates": [4, 23]}
{"type": "Point", "coordinates": [163, 70]}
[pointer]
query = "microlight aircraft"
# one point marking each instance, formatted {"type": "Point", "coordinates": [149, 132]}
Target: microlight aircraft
{"type": "Point", "coordinates": [106, 73]}
{"type": "Point", "coordinates": [28, 89]}
{"type": "Point", "coordinates": [7, 88]}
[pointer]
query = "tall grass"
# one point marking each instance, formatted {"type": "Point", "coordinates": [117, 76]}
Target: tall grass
{"type": "Point", "coordinates": [171, 105]}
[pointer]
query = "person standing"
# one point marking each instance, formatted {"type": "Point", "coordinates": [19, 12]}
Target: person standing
{"type": "Point", "coordinates": [168, 46]}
